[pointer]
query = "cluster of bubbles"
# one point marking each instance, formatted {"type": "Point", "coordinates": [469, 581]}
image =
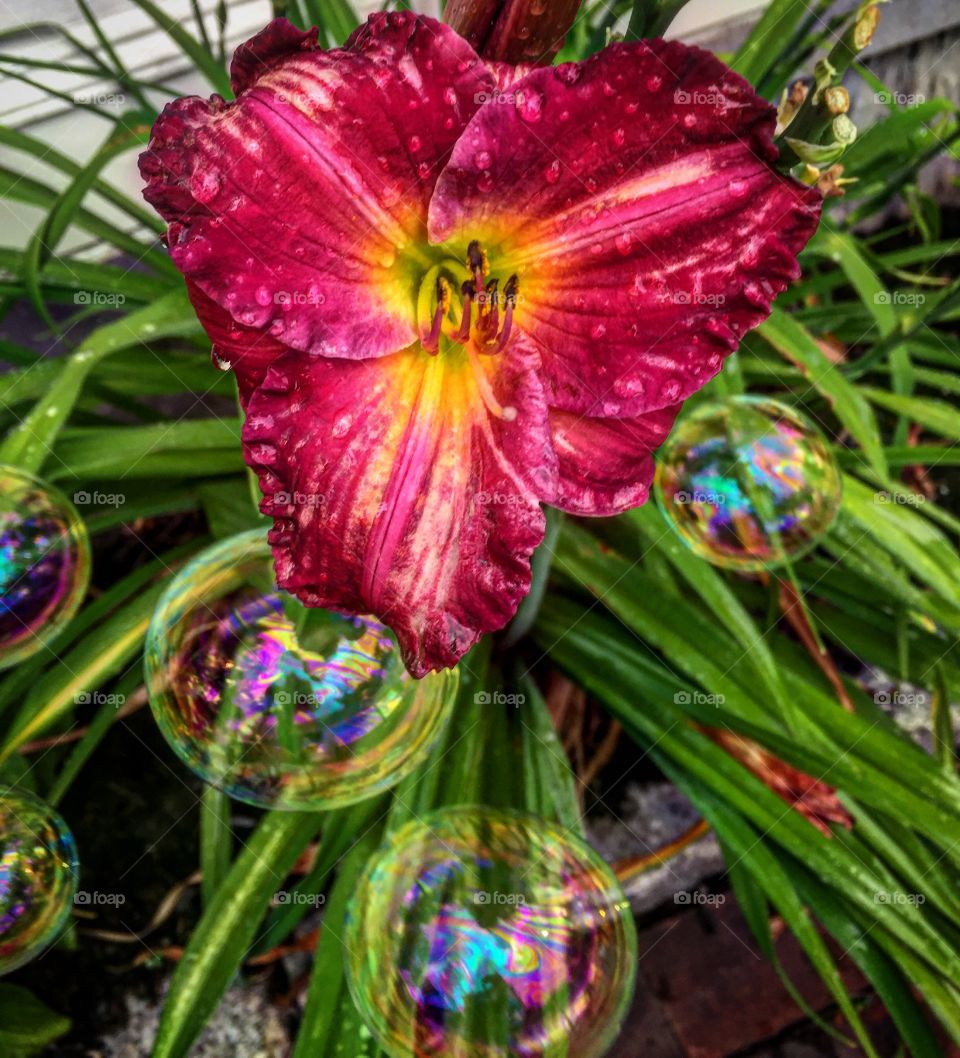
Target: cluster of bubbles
{"type": "Point", "coordinates": [278, 705]}
{"type": "Point", "coordinates": [489, 934]}
{"type": "Point", "coordinates": [38, 877]}
{"type": "Point", "coordinates": [748, 483]}
{"type": "Point", "coordinates": [44, 564]}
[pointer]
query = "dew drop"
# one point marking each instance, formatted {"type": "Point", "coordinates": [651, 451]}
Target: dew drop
{"type": "Point", "coordinates": [530, 105]}
{"type": "Point", "coordinates": [623, 242]}
{"type": "Point", "coordinates": [619, 138]}
{"type": "Point", "coordinates": [654, 82]}
{"type": "Point", "coordinates": [450, 97]}
{"type": "Point", "coordinates": [482, 159]}
{"type": "Point", "coordinates": [263, 296]}
{"type": "Point", "coordinates": [598, 331]}
{"type": "Point", "coordinates": [485, 182]}
{"type": "Point", "coordinates": [205, 185]}
{"type": "Point", "coordinates": [552, 172]}
{"type": "Point", "coordinates": [415, 144]}
{"type": "Point", "coordinates": [569, 73]}
{"type": "Point", "coordinates": [424, 169]}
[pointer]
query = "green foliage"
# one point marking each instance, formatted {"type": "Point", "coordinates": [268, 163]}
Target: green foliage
{"type": "Point", "coordinates": [26, 1024]}
{"type": "Point", "coordinates": [864, 343]}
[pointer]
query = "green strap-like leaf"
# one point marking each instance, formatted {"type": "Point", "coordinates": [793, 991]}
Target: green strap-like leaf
{"type": "Point", "coordinates": [228, 927]}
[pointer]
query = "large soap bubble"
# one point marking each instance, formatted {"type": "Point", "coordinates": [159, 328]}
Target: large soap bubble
{"type": "Point", "coordinates": [272, 721]}
{"type": "Point", "coordinates": [748, 483]}
{"type": "Point", "coordinates": [490, 934]}
{"type": "Point", "coordinates": [38, 877]}
{"type": "Point", "coordinates": [44, 563]}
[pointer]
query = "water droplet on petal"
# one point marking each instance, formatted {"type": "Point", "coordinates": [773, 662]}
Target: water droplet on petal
{"type": "Point", "coordinates": [263, 295]}
{"type": "Point", "coordinates": [552, 172]}
{"type": "Point", "coordinates": [450, 97]}
{"type": "Point", "coordinates": [485, 182]}
{"type": "Point", "coordinates": [205, 185]}
{"type": "Point", "coordinates": [482, 159]}
{"type": "Point", "coordinates": [424, 169]}
{"type": "Point", "coordinates": [654, 82]}
{"type": "Point", "coordinates": [623, 242]}
{"type": "Point", "coordinates": [619, 138]}
{"type": "Point", "coordinates": [530, 105]}
{"type": "Point", "coordinates": [598, 331]}
{"type": "Point", "coordinates": [415, 144]}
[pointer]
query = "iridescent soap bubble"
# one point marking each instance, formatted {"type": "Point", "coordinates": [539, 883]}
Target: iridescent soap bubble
{"type": "Point", "coordinates": [490, 934]}
{"type": "Point", "coordinates": [267, 719]}
{"type": "Point", "coordinates": [748, 483]}
{"type": "Point", "coordinates": [38, 877]}
{"type": "Point", "coordinates": [44, 563]}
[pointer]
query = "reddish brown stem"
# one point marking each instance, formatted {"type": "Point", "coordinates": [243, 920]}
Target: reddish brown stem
{"type": "Point", "coordinates": [514, 31]}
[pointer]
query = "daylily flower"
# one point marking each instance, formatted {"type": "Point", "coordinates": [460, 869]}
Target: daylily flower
{"type": "Point", "coordinates": [453, 290]}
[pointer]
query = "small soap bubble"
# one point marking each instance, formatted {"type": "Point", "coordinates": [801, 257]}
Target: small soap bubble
{"type": "Point", "coordinates": [490, 934]}
{"type": "Point", "coordinates": [44, 563]}
{"type": "Point", "coordinates": [748, 483]}
{"type": "Point", "coordinates": [38, 877]}
{"type": "Point", "coordinates": [277, 717]}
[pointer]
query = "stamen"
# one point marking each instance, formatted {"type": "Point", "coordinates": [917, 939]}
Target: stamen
{"type": "Point", "coordinates": [478, 264]}
{"type": "Point", "coordinates": [468, 292]}
{"type": "Point", "coordinates": [444, 295]}
{"type": "Point", "coordinates": [510, 291]}
{"type": "Point", "coordinates": [498, 410]}
{"type": "Point", "coordinates": [493, 299]}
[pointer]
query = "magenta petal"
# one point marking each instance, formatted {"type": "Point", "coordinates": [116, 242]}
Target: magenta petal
{"type": "Point", "coordinates": [606, 465]}
{"type": "Point", "coordinates": [248, 352]}
{"type": "Point", "coordinates": [271, 46]}
{"type": "Point", "coordinates": [635, 196]}
{"type": "Point", "coordinates": [396, 491]}
{"type": "Point", "coordinates": [298, 207]}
